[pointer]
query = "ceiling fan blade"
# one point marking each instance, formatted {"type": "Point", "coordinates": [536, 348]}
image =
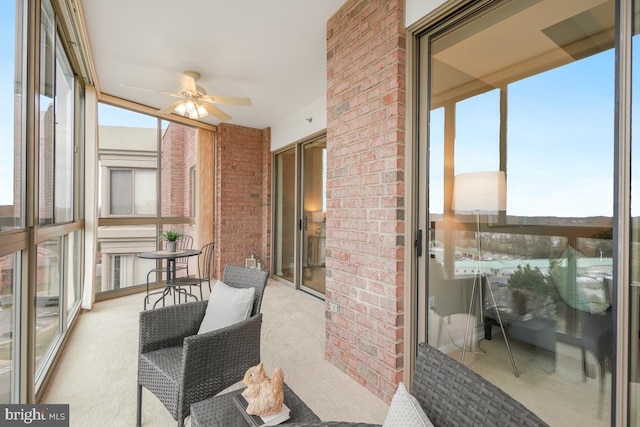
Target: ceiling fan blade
{"type": "Point", "coordinates": [169, 108]}
{"type": "Point", "coordinates": [217, 113]}
{"type": "Point", "coordinates": [177, 95]}
{"type": "Point", "coordinates": [245, 102]}
{"type": "Point", "coordinates": [188, 83]}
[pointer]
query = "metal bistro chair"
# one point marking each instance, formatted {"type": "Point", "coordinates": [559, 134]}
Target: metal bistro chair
{"type": "Point", "coordinates": [204, 271]}
{"type": "Point", "coordinates": [184, 242]}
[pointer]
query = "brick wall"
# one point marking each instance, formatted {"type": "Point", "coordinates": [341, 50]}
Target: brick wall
{"type": "Point", "coordinates": [365, 192]}
{"type": "Point", "coordinates": [179, 150]}
{"type": "Point", "coordinates": [242, 194]}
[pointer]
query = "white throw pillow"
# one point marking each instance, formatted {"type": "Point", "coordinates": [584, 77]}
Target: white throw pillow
{"type": "Point", "coordinates": [226, 306]}
{"type": "Point", "coordinates": [405, 411]}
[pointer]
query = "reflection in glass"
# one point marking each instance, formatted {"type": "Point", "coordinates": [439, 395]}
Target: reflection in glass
{"type": "Point", "coordinates": [11, 139]}
{"type": "Point", "coordinates": [284, 214]}
{"type": "Point", "coordinates": [314, 208]}
{"type": "Point", "coordinates": [64, 144]}
{"type": "Point", "coordinates": [543, 113]}
{"type": "Point", "coordinates": [47, 299]}
{"type": "Point", "coordinates": [47, 91]}
{"type": "Point", "coordinates": [10, 276]}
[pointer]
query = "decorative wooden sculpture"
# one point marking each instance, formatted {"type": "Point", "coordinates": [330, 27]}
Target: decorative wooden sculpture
{"type": "Point", "coordinates": [265, 395]}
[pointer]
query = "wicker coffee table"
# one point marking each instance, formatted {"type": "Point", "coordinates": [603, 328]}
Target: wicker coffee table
{"type": "Point", "coordinates": [221, 411]}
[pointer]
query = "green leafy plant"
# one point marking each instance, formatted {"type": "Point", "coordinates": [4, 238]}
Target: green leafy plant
{"type": "Point", "coordinates": [530, 280]}
{"type": "Point", "coordinates": [171, 235]}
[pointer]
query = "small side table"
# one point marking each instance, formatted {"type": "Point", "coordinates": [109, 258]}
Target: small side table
{"type": "Point", "coordinates": [221, 411]}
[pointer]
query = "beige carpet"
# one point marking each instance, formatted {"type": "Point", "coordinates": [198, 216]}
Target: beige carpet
{"type": "Point", "coordinates": [97, 373]}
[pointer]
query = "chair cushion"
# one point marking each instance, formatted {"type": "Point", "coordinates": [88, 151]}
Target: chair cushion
{"type": "Point", "coordinates": [227, 306]}
{"type": "Point", "coordinates": [405, 411]}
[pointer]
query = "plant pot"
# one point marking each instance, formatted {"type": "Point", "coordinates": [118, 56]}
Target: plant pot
{"type": "Point", "coordinates": [171, 246]}
{"type": "Point", "coordinates": [519, 302]}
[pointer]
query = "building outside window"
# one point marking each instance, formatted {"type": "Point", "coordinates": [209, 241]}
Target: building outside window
{"type": "Point", "coordinates": [138, 182]}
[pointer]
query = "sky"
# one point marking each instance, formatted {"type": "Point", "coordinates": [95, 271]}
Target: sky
{"type": "Point", "coordinates": [7, 97]}
{"type": "Point", "coordinates": [560, 133]}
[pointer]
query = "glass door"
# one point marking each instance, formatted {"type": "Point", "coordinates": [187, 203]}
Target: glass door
{"type": "Point", "coordinates": [313, 235]}
{"type": "Point", "coordinates": [284, 229]}
{"type": "Point", "coordinates": [525, 281]}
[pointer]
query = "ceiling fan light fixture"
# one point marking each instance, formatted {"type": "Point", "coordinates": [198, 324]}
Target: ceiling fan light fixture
{"type": "Point", "coordinates": [190, 106]}
{"type": "Point", "coordinates": [194, 101]}
{"type": "Point", "coordinates": [181, 109]}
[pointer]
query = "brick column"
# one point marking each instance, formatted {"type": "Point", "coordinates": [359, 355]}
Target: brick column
{"type": "Point", "coordinates": [365, 192]}
{"type": "Point", "coordinates": [240, 194]}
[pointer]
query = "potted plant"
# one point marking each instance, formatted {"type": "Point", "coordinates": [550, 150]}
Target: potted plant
{"type": "Point", "coordinates": [529, 292]}
{"type": "Point", "coordinates": [171, 237]}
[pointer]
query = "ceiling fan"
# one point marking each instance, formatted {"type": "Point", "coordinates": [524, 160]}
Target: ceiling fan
{"type": "Point", "coordinates": [194, 102]}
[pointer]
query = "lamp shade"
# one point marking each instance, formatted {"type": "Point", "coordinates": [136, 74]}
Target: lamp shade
{"type": "Point", "coordinates": [480, 191]}
{"type": "Point", "coordinates": [191, 108]}
{"type": "Point", "coordinates": [317, 216]}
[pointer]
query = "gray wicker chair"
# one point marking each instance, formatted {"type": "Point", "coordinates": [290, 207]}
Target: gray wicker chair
{"type": "Point", "coordinates": [451, 394]}
{"type": "Point", "coordinates": [180, 367]}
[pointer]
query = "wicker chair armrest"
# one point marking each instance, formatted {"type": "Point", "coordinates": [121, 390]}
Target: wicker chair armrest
{"type": "Point", "coordinates": [452, 394]}
{"type": "Point", "coordinates": [332, 424]}
{"type": "Point", "coordinates": [168, 326]}
{"type": "Point", "coordinates": [218, 359]}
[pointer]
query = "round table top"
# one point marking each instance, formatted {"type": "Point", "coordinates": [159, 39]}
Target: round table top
{"type": "Point", "coordinates": [169, 255]}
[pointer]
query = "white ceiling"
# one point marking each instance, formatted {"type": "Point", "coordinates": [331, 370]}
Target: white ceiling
{"type": "Point", "coordinates": [272, 51]}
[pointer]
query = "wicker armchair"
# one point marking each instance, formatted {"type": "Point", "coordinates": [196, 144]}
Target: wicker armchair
{"type": "Point", "coordinates": [180, 367]}
{"type": "Point", "coordinates": [451, 394]}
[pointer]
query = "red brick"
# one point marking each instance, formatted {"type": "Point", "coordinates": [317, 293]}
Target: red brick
{"type": "Point", "coordinates": [365, 199]}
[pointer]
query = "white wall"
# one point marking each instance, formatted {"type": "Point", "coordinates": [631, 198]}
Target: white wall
{"type": "Point", "coordinates": [297, 126]}
{"type": "Point", "coordinates": [416, 9]}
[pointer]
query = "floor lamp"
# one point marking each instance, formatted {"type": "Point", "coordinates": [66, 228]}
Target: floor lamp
{"type": "Point", "coordinates": [481, 192]}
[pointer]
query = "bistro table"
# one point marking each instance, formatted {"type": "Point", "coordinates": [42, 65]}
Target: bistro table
{"type": "Point", "coordinates": [171, 273]}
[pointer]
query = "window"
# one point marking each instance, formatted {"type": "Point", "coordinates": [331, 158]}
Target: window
{"type": "Point", "coordinates": [46, 146]}
{"type": "Point", "coordinates": [139, 181]}
{"type": "Point", "coordinates": [57, 126]}
{"type": "Point", "coordinates": [47, 304]}
{"type": "Point", "coordinates": [132, 192]}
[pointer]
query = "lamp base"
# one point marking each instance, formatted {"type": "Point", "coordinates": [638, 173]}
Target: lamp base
{"type": "Point", "coordinates": [477, 282]}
